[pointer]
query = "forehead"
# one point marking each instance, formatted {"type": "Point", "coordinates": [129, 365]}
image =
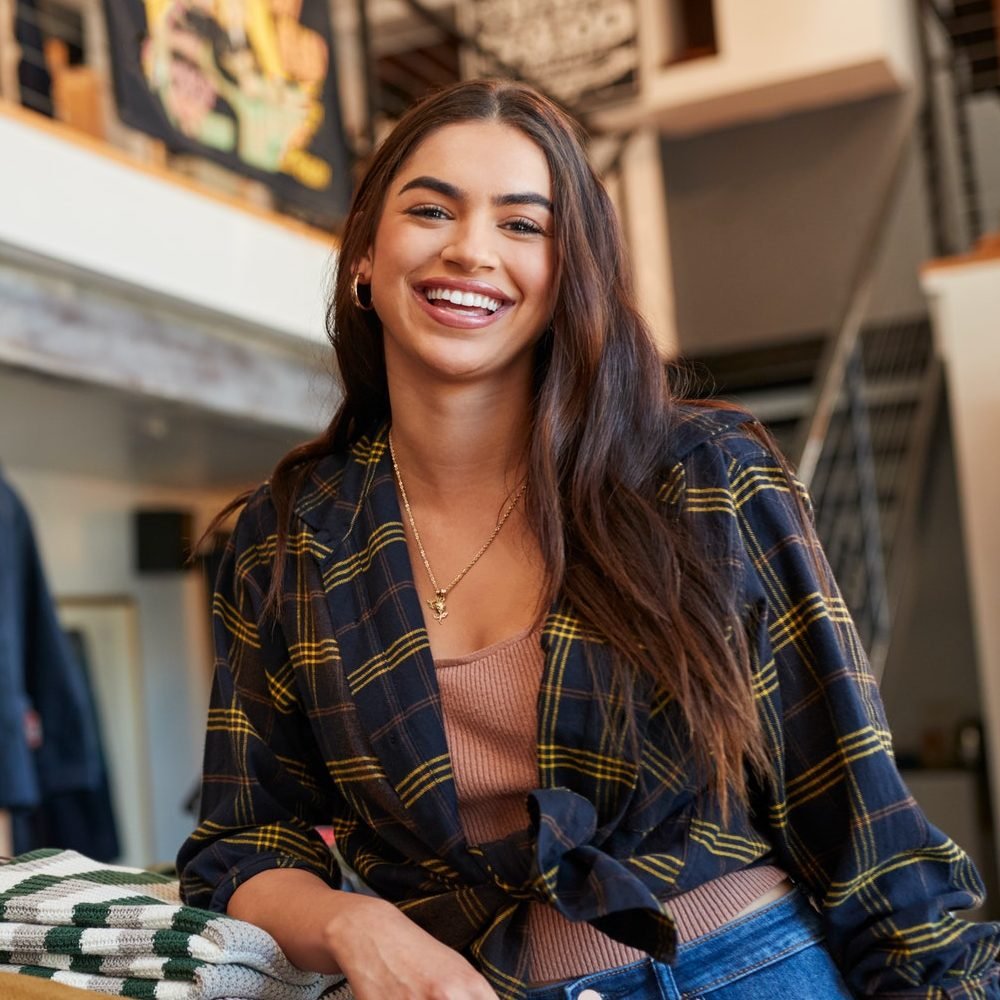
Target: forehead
{"type": "Point", "coordinates": [480, 156]}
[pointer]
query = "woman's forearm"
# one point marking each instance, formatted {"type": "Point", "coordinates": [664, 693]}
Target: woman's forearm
{"type": "Point", "coordinates": [302, 913]}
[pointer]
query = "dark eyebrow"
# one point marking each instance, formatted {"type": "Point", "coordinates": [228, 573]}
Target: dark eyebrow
{"type": "Point", "coordinates": [433, 184]}
{"type": "Point", "coordinates": [523, 198]}
{"type": "Point", "coordinates": [457, 194]}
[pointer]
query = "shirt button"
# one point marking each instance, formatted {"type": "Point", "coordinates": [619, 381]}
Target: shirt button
{"type": "Point", "coordinates": [589, 995]}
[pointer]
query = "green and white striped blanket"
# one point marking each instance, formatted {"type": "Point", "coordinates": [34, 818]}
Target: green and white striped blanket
{"type": "Point", "coordinates": [124, 931]}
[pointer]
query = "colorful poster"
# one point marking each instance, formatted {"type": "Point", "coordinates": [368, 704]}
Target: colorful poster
{"type": "Point", "coordinates": [250, 84]}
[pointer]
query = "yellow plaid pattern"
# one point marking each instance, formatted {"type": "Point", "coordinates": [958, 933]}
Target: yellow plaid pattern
{"type": "Point", "coordinates": [331, 715]}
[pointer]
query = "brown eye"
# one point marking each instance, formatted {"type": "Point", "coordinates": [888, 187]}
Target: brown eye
{"type": "Point", "coordinates": [428, 212]}
{"type": "Point", "coordinates": [524, 226]}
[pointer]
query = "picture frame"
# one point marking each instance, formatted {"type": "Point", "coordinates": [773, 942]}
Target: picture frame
{"type": "Point", "coordinates": [108, 630]}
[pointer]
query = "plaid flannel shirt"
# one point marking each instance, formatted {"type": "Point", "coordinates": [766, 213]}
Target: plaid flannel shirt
{"type": "Point", "coordinates": [332, 714]}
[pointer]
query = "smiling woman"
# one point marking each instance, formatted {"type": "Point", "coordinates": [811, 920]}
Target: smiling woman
{"type": "Point", "coordinates": [556, 654]}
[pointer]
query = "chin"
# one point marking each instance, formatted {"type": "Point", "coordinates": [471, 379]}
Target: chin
{"type": "Point", "coordinates": [459, 369]}
{"type": "Point", "coordinates": [447, 353]}
{"type": "Point", "coordinates": [467, 357]}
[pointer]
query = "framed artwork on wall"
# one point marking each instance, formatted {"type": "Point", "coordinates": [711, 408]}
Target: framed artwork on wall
{"type": "Point", "coordinates": [105, 632]}
{"type": "Point", "coordinates": [251, 86]}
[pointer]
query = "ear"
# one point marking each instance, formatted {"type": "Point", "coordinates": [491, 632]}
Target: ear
{"type": "Point", "coordinates": [363, 269]}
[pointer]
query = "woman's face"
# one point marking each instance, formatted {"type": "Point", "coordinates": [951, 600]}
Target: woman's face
{"type": "Point", "coordinates": [462, 266]}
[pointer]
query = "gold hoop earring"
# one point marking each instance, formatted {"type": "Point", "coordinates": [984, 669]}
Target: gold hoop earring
{"type": "Point", "coordinates": [356, 299]}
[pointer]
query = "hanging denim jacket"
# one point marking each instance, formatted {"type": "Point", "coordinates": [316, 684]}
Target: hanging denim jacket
{"type": "Point", "coordinates": [38, 674]}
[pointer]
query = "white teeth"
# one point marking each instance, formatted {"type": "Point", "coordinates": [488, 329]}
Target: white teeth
{"type": "Point", "coordinates": [460, 298]}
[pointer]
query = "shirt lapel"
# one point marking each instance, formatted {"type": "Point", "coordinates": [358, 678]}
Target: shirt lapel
{"type": "Point", "coordinates": [376, 616]}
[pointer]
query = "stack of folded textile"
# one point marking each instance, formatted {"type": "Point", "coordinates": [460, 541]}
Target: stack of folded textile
{"type": "Point", "coordinates": [124, 932]}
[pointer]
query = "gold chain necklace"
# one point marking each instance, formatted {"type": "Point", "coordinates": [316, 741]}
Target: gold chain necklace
{"type": "Point", "coordinates": [439, 603]}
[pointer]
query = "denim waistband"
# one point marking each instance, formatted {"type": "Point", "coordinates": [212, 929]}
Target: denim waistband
{"type": "Point", "coordinates": [751, 942]}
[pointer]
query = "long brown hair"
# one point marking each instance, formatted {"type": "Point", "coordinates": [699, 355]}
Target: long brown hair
{"type": "Point", "coordinates": [600, 432]}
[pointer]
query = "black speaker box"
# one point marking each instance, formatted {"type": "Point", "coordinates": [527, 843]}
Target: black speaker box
{"type": "Point", "coordinates": [162, 540]}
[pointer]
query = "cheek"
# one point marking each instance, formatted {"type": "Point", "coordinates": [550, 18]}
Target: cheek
{"type": "Point", "coordinates": [538, 276]}
{"type": "Point", "coordinates": [395, 259]}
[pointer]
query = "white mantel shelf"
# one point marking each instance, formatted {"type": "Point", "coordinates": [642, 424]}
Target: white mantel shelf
{"type": "Point", "coordinates": [80, 203]}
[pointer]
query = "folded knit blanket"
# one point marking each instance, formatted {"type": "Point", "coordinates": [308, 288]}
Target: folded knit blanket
{"type": "Point", "coordinates": [124, 932]}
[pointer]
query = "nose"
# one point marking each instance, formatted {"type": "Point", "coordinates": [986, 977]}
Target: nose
{"type": "Point", "coordinates": [471, 246]}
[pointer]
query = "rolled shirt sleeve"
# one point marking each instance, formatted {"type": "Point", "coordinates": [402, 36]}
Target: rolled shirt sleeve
{"type": "Point", "coordinates": [264, 786]}
{"type": "Point", "coordinates": [843, 823]}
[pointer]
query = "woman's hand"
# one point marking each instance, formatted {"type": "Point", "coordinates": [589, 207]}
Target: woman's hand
{"type": "Point", "coordinates": [386, 956]}
{"type": "Point", "coordinates": [383, 953]}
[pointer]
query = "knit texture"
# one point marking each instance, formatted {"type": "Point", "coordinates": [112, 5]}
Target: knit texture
{"type": "Point", "coordinates": [123, 931]}
{"type": "Point", "coordinates": [489, 703]}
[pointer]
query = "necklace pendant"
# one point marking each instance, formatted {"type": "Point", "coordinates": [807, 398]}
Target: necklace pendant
{"type": "Point", "coordinates": [437, 605]}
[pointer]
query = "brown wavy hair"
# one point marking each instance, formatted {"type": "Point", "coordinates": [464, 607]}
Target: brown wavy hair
{"type": "Point", "coordinates": [600, 429]}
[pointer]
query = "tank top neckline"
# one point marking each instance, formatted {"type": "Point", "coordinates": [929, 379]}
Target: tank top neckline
{"type": "Point", "coordinates": [496, 647]}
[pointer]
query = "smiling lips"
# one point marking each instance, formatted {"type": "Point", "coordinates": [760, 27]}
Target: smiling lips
{"type": "Point", "coordinates": [462, 305]}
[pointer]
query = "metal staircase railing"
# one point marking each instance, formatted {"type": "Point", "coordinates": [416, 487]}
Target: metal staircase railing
{"type": "Point", "coordinates": [836, 454]}
{"type": "Point", "coordinates": [868, 482]}
{"type": "Point", "coordinates": [837, 354]}
{"type": "Point", "coordinates": [962, 39]}
{"type": "Point", "coordinates": [863, 449]}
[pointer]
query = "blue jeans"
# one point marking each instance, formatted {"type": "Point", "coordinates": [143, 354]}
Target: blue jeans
{"type": "Point", "coordinates": [774, 953]}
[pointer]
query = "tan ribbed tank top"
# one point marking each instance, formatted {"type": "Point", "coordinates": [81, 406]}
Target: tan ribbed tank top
{"type": "Point", "coordinates": [489, 700]}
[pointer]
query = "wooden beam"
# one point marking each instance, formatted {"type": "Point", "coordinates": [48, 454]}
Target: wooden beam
{"type": "Point", "coordinates": [74, 327]}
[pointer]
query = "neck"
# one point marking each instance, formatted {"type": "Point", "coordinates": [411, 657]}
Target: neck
{"type": "Point", "coordinates": [457, 442]}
